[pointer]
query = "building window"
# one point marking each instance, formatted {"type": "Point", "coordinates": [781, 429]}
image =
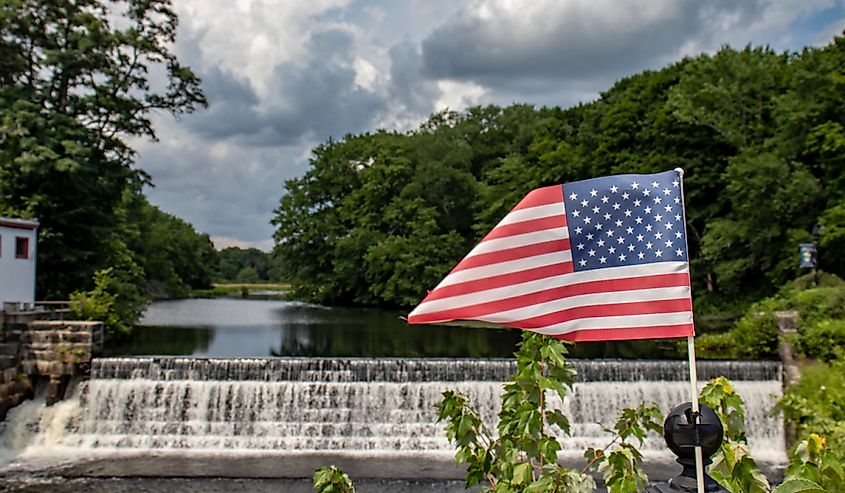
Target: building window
{"type": "Point", "coordinates": [21, 247]}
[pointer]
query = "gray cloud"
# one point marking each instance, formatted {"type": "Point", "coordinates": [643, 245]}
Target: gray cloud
{"type": "Point", "coordinates": [556, 42]}
{"type": "Point", "coordinates": [223, 189]}
{"type": "Point", "coordinates": [315, 97]}
{"type": "Point", "coordinates": [409, 87]}
{"type": "Point", "coordinates": [233, 106]}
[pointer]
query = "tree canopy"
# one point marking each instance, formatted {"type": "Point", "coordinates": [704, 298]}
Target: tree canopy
{"type": "Point", "coordinates": [77, 79]}
{"type": "Point", "coordinates": [380, 217]}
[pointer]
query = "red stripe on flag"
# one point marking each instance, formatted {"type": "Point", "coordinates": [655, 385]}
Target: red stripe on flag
{"type": "Point", "coordinates": [541, 196]}
{"type": "Point", "coordinates": [530, 226]}
{"type": "Point", "coordinates": [499, 281]}
{"type": "Point", "coordinates": [592, 287]}
{"type": "Point", "coordinates": [608, 310]}
{"type": "Point", "coordinates": [621, 334]}
{"type": "Point", "coordinates": [500, 256]}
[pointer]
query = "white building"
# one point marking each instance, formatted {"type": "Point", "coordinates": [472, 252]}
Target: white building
{"type": "Point", "coordinates": [17, 260]}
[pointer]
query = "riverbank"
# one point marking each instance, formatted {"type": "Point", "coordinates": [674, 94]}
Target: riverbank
{"type": "Point", "coordinates": [276, 291]}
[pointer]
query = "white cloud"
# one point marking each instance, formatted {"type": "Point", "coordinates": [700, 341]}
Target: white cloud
{"type": "Point", "coordinates": [456, 95]}
{"type": "Point", "coordinates": [366, 74]}
{"type": "Point", "coordinates": [251, 37]}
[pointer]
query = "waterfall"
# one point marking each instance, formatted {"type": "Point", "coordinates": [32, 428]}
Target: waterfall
{"type": "Point", "coordinates": [302, 405]}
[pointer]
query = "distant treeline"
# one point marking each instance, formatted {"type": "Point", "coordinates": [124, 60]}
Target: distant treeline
{"type": "Point", "coordinates": [246, 265]}
{"type": "Point", "coordinates": [381, 217]}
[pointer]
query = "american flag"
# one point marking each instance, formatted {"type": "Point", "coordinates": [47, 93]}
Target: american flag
{"type": "Point", "coordinates": [593, 260]}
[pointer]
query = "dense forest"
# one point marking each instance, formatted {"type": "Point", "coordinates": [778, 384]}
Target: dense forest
{"type": "Point", "coordinates": [381, 217]}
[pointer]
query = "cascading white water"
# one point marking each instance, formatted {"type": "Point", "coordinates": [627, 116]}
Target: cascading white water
{"type": "Point", "coordinates": [302, 405]}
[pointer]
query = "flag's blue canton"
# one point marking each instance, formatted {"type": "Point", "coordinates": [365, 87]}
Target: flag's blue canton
{"type": "Point", "coordinates": [625, 220]}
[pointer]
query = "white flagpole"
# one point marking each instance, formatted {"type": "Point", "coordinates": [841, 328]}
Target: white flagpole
{"type": "Point", "coordinates": [693, 378]}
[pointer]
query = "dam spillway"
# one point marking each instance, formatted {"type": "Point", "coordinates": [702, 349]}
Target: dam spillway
{"type": "Point", "coordinates": [364, 407]}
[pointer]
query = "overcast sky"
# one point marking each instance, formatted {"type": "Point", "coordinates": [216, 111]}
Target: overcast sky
{"type": "Point", "coordinates": [282, 76]}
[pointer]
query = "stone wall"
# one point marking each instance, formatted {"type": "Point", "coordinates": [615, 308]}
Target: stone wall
{"type": "Point", "coordinates": [15, 387]}
{"type": "Point", "coordinates": [34, 351]}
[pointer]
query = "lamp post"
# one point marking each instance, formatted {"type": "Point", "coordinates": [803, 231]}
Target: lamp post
{"type": "Point", "coordinates": [817, 229]}
{"type": "Point", "coordinates": [682, 432]}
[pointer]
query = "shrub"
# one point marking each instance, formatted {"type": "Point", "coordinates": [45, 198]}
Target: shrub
{"type": "Point", "coordinates": [820, 341]}
{"type": "Point", "coordinates": [714, 346]}
{"type": "Point", "coordinates": [819, 304]}
{"type": "Point", "coordinates": [754, 336]}
{"type": "Point", "coordinates": [116, 300]}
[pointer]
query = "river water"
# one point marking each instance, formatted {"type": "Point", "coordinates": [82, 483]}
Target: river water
{"type": "Point", "coordinates": [239, 328]}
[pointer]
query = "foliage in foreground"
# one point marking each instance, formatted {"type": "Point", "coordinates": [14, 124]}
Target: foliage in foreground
{"type": "Point", "coordinates": [733, 467]}
{"type": "Point", "coordinates": [332, 480]}
{"type": "Point", "coordinates": [523, 456]}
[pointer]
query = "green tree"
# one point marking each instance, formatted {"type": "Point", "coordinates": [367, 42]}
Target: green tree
{"type": "Point", "coordinates": [173, 256]}
{"type": "Point", "coordinates": [247, 274]}
{"type": "Point", "coordinates": [234, 259]}
{"type": "Point", "coordinates": [74, 86]}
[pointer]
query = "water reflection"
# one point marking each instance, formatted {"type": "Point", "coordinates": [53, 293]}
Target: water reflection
{"type": "Point", "coordinates": [366, 332]}
{"type": "Point", "coordinates": [224, 328]}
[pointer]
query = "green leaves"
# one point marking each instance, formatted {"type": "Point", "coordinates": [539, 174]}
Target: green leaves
{"type": "Point", "coordinates": [464, 427]}
{"type": "Point", "coordinates": [736, 471]}
{"type": "Point", "coordinates": [733, 467]}
{"type": "Point", "coordinates": [721, 396]}
{"type": "Point", "coordinates": [814, 462]}
{"type": "Point", "coordinates": [524, 456]}
{"type": "Point", "coordinates": [620, 463]}
{"type": "Point", "coordinates": [796, 485]}
{"type": "Point", "coordinates": [332, 480]}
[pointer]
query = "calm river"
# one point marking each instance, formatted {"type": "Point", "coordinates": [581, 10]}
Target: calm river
{"type": "Point", "coordinates": [232, 328]}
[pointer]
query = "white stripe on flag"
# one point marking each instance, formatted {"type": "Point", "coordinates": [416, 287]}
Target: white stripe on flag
{"type": "Point", "coordinates": [495, 294]}
{"type": "Point", "coordinates": [627, 321]}
{"type": "Point", "coordinates": [585, 300]}
{"type": "Point", "coordinates": [508, 267]}
{"type": "Point", "coordinates": [520, 215]}
{"type": "Point", "coordinates": [515, 241]}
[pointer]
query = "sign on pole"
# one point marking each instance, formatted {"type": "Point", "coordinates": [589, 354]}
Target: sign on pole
{"type": "Point", "coordinates": [807, 253]}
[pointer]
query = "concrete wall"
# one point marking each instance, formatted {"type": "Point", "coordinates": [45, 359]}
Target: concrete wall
{"type": "Point", "coordinates": [17, 275]}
